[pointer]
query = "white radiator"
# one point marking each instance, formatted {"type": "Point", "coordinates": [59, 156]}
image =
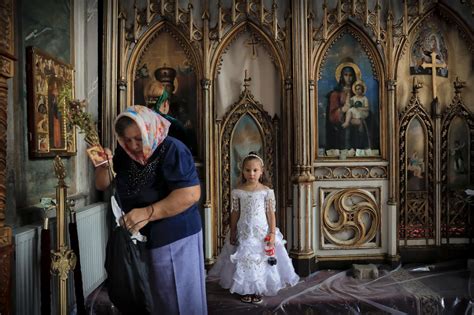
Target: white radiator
{"type": "Point", "coordinates": [26, 276]}
{"type": "Point", "coordinates": [93, 233]}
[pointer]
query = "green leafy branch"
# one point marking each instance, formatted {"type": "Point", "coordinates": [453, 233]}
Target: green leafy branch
{"type": "Point", "coordinates": [75, 112]}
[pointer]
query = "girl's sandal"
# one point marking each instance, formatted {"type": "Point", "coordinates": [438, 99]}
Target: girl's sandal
{"type": "Point", "coordinates": [257, 299]}
{"type": "Point", "coordinates": [246, 299]}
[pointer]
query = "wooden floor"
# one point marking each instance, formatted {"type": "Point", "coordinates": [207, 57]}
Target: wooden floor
{"type": "Point", "coordinates": [445, 288]}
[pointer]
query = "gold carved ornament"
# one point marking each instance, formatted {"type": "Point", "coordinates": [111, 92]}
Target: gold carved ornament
{"type": "Point", "coordinates": [62, 262]}
{"type": "Point", "coordinates": [350, 210]}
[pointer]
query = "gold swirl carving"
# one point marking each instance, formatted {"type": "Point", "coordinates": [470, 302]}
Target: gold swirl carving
{"type": "Point", "coordinates": [351, 217]}
{"type": "Point", "coordinates": [62, 262]}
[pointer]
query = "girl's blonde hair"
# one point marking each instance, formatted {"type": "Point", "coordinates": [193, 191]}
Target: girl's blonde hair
{"type": "Point", "coordinates": [254, 156]}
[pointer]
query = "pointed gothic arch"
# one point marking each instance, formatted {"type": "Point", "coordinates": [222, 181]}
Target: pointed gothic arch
{"type": "Point", "coordinates": [417, 217]}
{"type": "Point", "coordinates": [320, 58]}
{"type": "Point", "coordinates": [456, 221]}
{"type": "Point", "coordinates": [148, 37]}
{"type": "Point", "coordinates": [179, 64]}
{"type": "Point", "coordinates": [267, 128]}
{"type": "Point", "coordinates": [272, 48]}
{"type": "Point", "coordinates": [319, 55]}
{"type": "Point", "coordinates": [443, 12]}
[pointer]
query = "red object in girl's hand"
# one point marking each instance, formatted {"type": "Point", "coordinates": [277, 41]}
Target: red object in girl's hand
{"type": "Point", "coordinates": [269, 250]}
{"type": "Point", "coordinates": [267, 238]}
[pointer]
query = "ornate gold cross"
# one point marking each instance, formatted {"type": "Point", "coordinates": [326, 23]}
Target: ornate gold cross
{"type": "Point", "coordinates": [433, 65]}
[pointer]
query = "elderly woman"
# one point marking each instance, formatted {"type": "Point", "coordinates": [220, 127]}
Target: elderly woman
{"type": "Point", "coordinates": [157, 187]}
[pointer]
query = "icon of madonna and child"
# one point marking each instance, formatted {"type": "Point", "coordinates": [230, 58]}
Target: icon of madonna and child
{"type": "Point", "coordinates": [350, 120]}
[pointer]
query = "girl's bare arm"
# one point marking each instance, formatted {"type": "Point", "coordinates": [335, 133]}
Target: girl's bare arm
{"type": "Point", "coordinates": [271, 222]}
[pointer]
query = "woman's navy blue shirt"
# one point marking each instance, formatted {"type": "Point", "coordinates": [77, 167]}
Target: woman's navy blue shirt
{"type": "Point", "coordinates": [170, 167]}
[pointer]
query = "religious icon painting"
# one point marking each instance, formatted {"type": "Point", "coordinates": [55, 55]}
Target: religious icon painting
{"type": "Point", "coordinates": [246, 138]}
{"type": "Point", "coordinates": [348, 110]}
{"type": "Point", "coordinates": [458, 154]}
{"type": "Point", "coordinates": [416, 156]}
{"type": "Point", "coordinates": [429, 52]}
{"type": "Point", "coordinates": [165, 62]}
{"type": "Point", "coordinates": [97, 155]}
{"type": "Point", "coordinates": [47, 80]}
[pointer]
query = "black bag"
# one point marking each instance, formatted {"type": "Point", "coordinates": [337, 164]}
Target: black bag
{"type": "Point", "coordinates": [127, 282]}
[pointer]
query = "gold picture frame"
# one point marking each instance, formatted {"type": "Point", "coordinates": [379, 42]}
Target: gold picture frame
{"type": "Point", "coordinates": [97, 155]}
{"type": "Point", "coordinates": [48, 132]}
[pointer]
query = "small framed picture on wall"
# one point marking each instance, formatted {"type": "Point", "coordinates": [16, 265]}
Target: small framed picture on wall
{"type": "Point", "coordinates": [48, 79]}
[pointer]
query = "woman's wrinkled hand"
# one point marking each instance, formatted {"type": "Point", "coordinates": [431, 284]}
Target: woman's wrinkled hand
{"type": "Point", "coordinates": [135, 220]}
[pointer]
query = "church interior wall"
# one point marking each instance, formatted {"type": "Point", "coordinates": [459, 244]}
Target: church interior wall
{"type": "Point", "coordinates": [69, 32]}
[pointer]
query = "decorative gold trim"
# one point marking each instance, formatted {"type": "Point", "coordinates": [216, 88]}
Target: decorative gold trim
{"type": "Point", "coordinates": [301, 255]}
{"type": "Point", "coordinates": [5, 235]}
{"type": "Point", "coordinates": [6, 66]}
{"type": "Point", "coordinates": [245, 10]}
{"type": "Point", "coordinates": [345, 11]}
{"type": "Point", "coordinates": [166, 10]}
{"type": "Point", "coordinates": [6, 25]}
{"type": "Point", "coordinates": [6, 71]}
{"type": "Point", "coordinates": [359, 172]}
{"type": "Point", "coordinates": [63, 261]}
{"type": "Point", "coordinates": [346, 257]}
{"type": "Point", "coordinates": [350, 210]}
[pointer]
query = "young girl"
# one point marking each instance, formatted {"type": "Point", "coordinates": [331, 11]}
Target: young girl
{"type": "Point", "coordinates": [243, 265]}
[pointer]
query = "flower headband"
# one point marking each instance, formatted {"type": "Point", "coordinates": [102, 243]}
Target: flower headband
{"type": "Point", "coordinates": [254, 156]}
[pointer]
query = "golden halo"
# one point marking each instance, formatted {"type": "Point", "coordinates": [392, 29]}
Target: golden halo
{"type": "Point", "coordinates": [356, 83]}
{"type": "Point", "coordinates": [348, 64]}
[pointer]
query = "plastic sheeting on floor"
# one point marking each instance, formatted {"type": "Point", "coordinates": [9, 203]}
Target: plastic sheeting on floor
{"type": "Point", "coordinates": [444, 288]}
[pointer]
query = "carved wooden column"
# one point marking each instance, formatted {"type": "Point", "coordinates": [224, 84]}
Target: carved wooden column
{"type": "Point", "coordinates": [110, 70]}
{"type": "Point", "coordinates": [302, 241]}
{"type": "Point", "coordinates": [6, 72]}
{"type": "Point", "coordinates": [392, 250]}
{"type": "Point", "coordinates": [210, 223]}
{"type": "Point", "coordinates": [209, 209]}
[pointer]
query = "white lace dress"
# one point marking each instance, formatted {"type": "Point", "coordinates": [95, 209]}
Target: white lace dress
{"type": "Point", "coordinates": [244, 268]}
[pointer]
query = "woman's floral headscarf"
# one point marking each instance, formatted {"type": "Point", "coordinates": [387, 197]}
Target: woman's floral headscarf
{"type": "Point", "coordinates": [153, 127]}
